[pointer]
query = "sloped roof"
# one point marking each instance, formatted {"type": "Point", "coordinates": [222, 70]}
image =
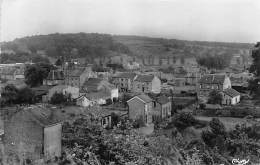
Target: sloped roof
{"type": "Point", "coordinates": [126, 75]}
{"type": "Point", "coordinates": [144, 78]}
{"type": "Point", "coordinates": [142, 97]}
{"type": "Point", "coordinates": [92, 84]}
{"type": "Point", "coordinates": [98, 95]}
{"type": "Point", "coordinates": [95, 84]}
{"type": "Point", "coordinates": [162, 100]}
{"type": "Point", "coordinates": [41, 116]}
{"type": "Point", "coordinates": [98, 112]}
{"type": "Point", "coordinates": [59, 88]}
{"type": "Point", "coordinates": [231, 92]}
{"type": "Point", "coordinates": [213, 79]}
{"type": "Point", "coordinates": [55, 75]}
{"type": "Point", "coordinates": [75, 72]}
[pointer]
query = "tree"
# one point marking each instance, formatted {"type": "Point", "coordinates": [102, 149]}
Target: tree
{"type": "Point", "coordinates": [215, 97]}
{"type": "Point", "coordinates": [184, 120]}
{"type": "Point", "coordinates": [255, 69]}
{"type": "Point", "coordinates": [34, 74]}
{"type": "Point", "coordinates": [214, 61]}
{"type": "Point", "coordinates": [59, 98]}
{"type": "Point", "coordinates": [40, 59]}
{"type": "Point", "coordinates": [25, 95]}
{"type": "Point", "coordinates": [9, 94]}
{"type": "Point", "coordinates": [58, 62]}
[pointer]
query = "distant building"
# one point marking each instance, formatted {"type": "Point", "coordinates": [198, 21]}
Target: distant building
{"type": "Point", "coordinates": [124, 81]}
{"type": "Point", "coordinates": [230, 97]}
{"type": "Point", "coordinates": [211, 82]}
{"type": "Point", "coordinates": [33, 134]}
{"type": "Point", "coordinates": [55, 77]}
{"type": "Point", "coordinates": [141, 106]}
{"type": "Point", "coordinates": [76, 77]}
{"type": "Point", "coordinates": [147, 84]}
{"type": "Point", "coordinates": [65, 90]}
{"type": "Point", "coordinates": [98, 91]}
{"type": "Point", "coordinates": [83, 101]}
{"type": "Point", "coordinates": [162, 108]}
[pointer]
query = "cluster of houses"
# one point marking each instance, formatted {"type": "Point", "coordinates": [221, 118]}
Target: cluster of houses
{"type": "Point", "coordinates": [150, 102]}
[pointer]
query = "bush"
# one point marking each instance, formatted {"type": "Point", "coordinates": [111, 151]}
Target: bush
{"type": "Point", "coordinates": [59, 98]}
{"type": "Point", "coordinates": [139, 122]}
{"type": "Point", "coordinates": [184, 120]}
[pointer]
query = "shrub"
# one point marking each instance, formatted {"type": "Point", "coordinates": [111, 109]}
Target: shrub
{"type": "Point", "coordinates": [139, 122]}
{"type": "Point", "coordinates": [184, 120]}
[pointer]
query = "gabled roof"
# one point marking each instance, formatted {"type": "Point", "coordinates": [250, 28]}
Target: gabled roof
{"type": "Point", "coordinates": [231, 92]}
{"type": "Point", "coordinates": [144, 78]}
{"type": "Point", "coordinates": [59, 88]}
{"type": "Point", "coordinates": [55, 75]}
{"type": "Point", "coordinates": [75, 72]}
{"type": "Point", "coordinates": [162, 100]}
{"type": "Point", "coordinates": [126, 75]}
{"type": "Point", "coordinates": [92, 84]}
{"type": "Point", "coordinates": [95, 84]}
{"type": "Point", "coordinates": [39, 115]}
{"type": "Point", "coordinates": [144, 98]}
{"type": "Point", "coordinates": [213, 79]}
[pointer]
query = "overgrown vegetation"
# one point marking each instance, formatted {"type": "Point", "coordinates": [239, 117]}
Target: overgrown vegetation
{"type": "Point", "coordinates": [11, 95]}
{"type": "Point", "coordinates": [36, 73]}
{"type": "Point", "coordinates": [214, 61]}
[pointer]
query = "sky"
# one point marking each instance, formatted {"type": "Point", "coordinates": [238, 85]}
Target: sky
{"type": "Point", "coordinates": [205, 20]}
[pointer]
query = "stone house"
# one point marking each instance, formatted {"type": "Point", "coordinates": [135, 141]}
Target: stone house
{"type": "Point", "coordinates": [55, 77]}
{"type": "Point", "coordinates": [98, 91]}
{"type": "Point", "coordinates": [33, 133]}
{"type": "Point", "coordinates": [230, 97]}
{"type": "Point", "coordinates": [147, 84]}
{"type": "Point", "coordinates": [83, 101]}
{"type": "Point", "coordinates": [64, 89]}
{"type": "Point", "coordinates": [210, 82]}
{"type": "Point", "coordinates": [77, 76]}
{"type": "Point", "coordinates": [124, 81]}
{"type": "Point", "coordinates": [141, 106]}
{"type": "Point", "coordinates": [162, 108]}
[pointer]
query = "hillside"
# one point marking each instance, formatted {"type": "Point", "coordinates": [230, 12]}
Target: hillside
{"type": "Point", "coordinates": [92, 45]}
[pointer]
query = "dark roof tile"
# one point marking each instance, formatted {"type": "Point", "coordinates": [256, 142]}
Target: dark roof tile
{"type": "Point", "coordinates": [231, 92]}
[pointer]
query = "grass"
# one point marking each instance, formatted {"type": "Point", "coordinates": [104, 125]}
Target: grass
{"type": "Point", "coordinates": [229, 122]}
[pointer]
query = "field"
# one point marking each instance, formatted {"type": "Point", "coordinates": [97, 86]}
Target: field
{"type": "Point", "coordinates": [229, 122]}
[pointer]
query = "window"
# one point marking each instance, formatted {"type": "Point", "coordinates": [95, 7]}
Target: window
{"type": "Point", "coordinates": [104, 121]}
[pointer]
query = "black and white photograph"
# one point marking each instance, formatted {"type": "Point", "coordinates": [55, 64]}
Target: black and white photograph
{"type": "Point", "coordinates": [129, 82]}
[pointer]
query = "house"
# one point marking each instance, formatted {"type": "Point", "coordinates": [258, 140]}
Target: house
{"type": "Point", "coordinates": [64, 89]}
{"type": "Point", "coordinates": [83, 101]}
{"type": "Point", "coordinates": [55, 77]}
{"type": "Point", "coordinates": [141, 106]}
{"type": "Point", "coordinates": [147, 84]}
{"type": "Point", "coordinates": [162, 108]}
{"type": "Point", "coordinates": [77, 76]}
{"type": "Point", "coordinates": [124, 81]}
{"type": "Point", "coordinates": [33, 133]}
{"type": "Point", "coordinates": [230, 97]}
{"type": "Point", "coordinates": [103, 117]}
{"type": "Point", "coordinates": [98, 91]}
{"type": "Point", "coordinates": [41, 93]}
{"type": "Point", "coordinates": [211, 82]}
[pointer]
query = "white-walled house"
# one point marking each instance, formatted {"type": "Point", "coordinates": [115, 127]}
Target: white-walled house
{"type": "Point", "coordinates": [210, 82]}
{"type": "Point", "coordinates": [147, 84]}
{"type": "Point", "coordinates": [64, 89]}
{"type": "Point", "coordinates": [83, 101]}
{"type": "Point", "coordinates": [98, 91]}
{"type": "Point", "coordinates": [230, 97]}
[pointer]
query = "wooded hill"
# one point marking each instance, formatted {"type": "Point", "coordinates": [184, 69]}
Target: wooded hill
{"type": "Point", "coordinates": [92, 45]}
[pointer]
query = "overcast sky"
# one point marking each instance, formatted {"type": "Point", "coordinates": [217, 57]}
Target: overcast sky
{"type": "Point", "coordinates": [213, 20]}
